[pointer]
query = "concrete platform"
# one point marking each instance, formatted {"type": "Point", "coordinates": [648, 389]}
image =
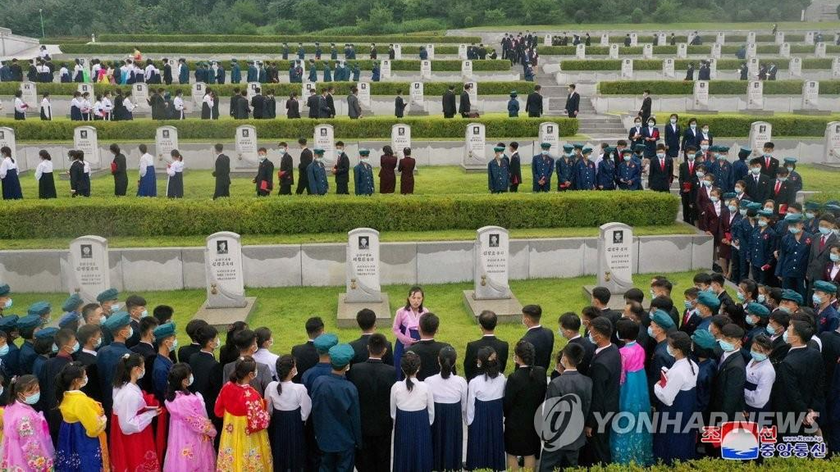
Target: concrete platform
{"type": "Point", "coordinates": [221, 317]}
{"type": "Point", "coordinates": [346, 316]}
{"type": "Point", "coordinates": [508, 310]}
{"type": "Point", "coordinates": [812, 112]}
{"type": "Point", "coordinates": [616, 299]}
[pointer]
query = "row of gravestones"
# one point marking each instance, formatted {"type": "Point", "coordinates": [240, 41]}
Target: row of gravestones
{"type": "Point", "coordinates": [716, 51]}
{"type": "Point", "coordinates": [753, 65]}
{"type": "Point", "coordinates": [720, 38]}
{"type": "Point", "coordinates": [90, 271]}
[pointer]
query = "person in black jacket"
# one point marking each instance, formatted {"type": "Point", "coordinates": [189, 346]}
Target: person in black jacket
{"type": "Point", "coordinates": [221, 173]}
{"type": "Point", "coordinates": [243, 110]}
{"type": "Point", "coordinates": [427, 348]}
{"type": "Point", "coordinates": [465, 106]}
{"type": "Point", "coordinates": [534, 104]}
{"type": "Point", "coordinates": [570, 329]}
{"type": "Point", "coordinates": [88, 336]}
{"type": "Point", "coordinates": [79, 183]}
{"type": "Point", "coordinates": [542, 338]}
{"type": "Point", "coordinates": [366, 319]}
{"type": "Point", "coordinates": [258, 104]}
{"type": "Point", "coordinates": [292, 106]}
{"type": "Point", "coordinates": [661, 170]}
{"type": "Point", "coordinates": [265, 174]}
{"type": "Point", "coordinates": [233, 103]}
{"type": "Point", "coordinates": [644, 111]}
{"type": "Point", "coordinates": [207, 371]}
{"type": "Point", "coordinates": [728, 384]}
{"type": "Point", "coordinates": [524, 393]}
{"type": "Point", "coordinates": [515, 167]}
{"type": "Point", "coordinates": [373, 379]}
{"type": "Point", "coordinates": [449, 108]}
{"type": "Point", "coordinates": [399, 105]}
{"type": "Point", "coordinates": [270, 106]}
{"type": "Point", "coordinates": [341, 170]}
{"type": "Point", "coordinates": [286, 175]}
{"type": "Point", "coordinates": [487, 320]}
{"type": "Point", "coordinates": [605, 372]}
{"type": "Point", "coordinates": [572, 102]}
{"type": "Point", "coordinates": [305, 354]}
{"type": "Point", "coordinates": [119, 171]}
{"type": "Point", "coordinates": [758, 184]}
{"type": "Point", "coordinates": [781, 191]}
{"type": "Point", "coordinates": [303, 180]}
{"type": "Point", "coordinates": [313, 103]}
{"type": "Point", "coordinates": [324, 110]}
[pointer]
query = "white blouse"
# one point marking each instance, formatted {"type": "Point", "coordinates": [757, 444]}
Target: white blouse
{"type": "Point", "coordinates": [7, 165]}
{"type": "Point", "coordinates": [128, 401]}
{"type": "Point", "coordinates": [46, 107]}
{"type": "Point", "coordinates": [294, 396]}
{"type": "Point", "coordinates": [44, 167]}
{"type": "Point", "coordinates": [449, 391]}
{"type": "Point", "coordinates": [76, 102]}
{"type": "Point", "coordinates": [679, 378]}
{"type": "Point", "coordinates": [762, 375]}
{"type": "Point", "coordinates": [146, 160]}
{"type": "Point", "coordinates": [20, 105]}
{"type": "Point", "coordinates": [262, 355]}
{"type": "Point", "coordinates": [178, 103]}
{"type": "Point", "coordinates": [128, 105]}
{"type": "Point", "coordinates": [208, 99]}
{"type": "Point", "coordinates": [485, 389]}
{"type": "Point", "coordinates": [107, 105]}
{"type": "Point", "coordinates": [98, 109]}
{"type": "Point", "coordinates": [63, 72]}
{"type": "Point", "coordinates": [171, 170]}
{"type": "Point", "coordinates": [418, 398]}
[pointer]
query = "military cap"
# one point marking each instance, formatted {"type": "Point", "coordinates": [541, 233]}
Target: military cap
{"type": "Point", "coordinates": [662, 319]}
{"type": "Point", "coordinates": [832, 207]}
{"type": "Point", "coordinates": [68, 318]}
{"type": "Point", "coordinates": [639, 147]}
{"type": "Point", "coordinates": [568, 148]}
{"type": "Point", "coordinates": [4, 290]}
{"type": "Point", "coordinates": [790, 160]}
{"type": "Point", "coordinates": [117, 321]}
{"type": "Point", "coordinates": [754, 206]}
{"type": "Point", "coordinates": [72, 303]}
{"type": "Point", "coordinates": [324, 342]}
{"type": "Point", "coordinates": [626, 151]}
{"type": "Point", "coordinates": [826, 287]}
{"type": "Point", "coordinates": [708, 299]}
{"type": "Point", "coordinates": [164, 331]}
{"type": "Point", "coordinates": [8, 323]}
{"type": "Point", "coordinates": [586, 150]}
{"type": "Point", "coordinates": [609, 150]}
{"type": "Point", "coordinates": [703, 338]}
{"type": "Point", "coordinates": [714, 148]}
{"type": "Point", "coordinates": [729, 195]}
{"type": "Point", "coordinates": [723, 148]}
{"type": "Point", "coordinates": [46, 333]}
{"type": "Point", "coordinates": [545, 145]}
{"type": "Point", "coordinates": [792, 295]}
{"type": "Point", "coordinates": [766, 213]}
{"type": "Point", "coordinates": [498, 148]}
{"type": "Point", "coordinates": [28, 322]}
{"type": "Point", "coordinates": [341, 355]}
{"type": "Point", "coordinates": [744, 153]}
{"type": "Point", "coordinates": [513, 93]}
{"type": "Point", "coordinates": [758, 309]}
{"type": "Point", "coordinates": [109, 294]}
{"type": "Point", "coordinates": [39, 308]}
{"type": "Point", "coordinates": [318, 151]}
{"type": "Point", "coordinates": [794, 217]}
{"type": "Point", "coordinates": [812, 205]}
{"type": "Point", "coordinates": [578, 146]}
{"type": "Point", "coordinates": [696, 154]}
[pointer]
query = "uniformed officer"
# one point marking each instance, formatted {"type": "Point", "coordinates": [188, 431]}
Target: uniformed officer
{"type": "Point", "coordinates": [333, 52]}
{"type": "Point", "coordinates": [606, 171]}
{"type": "Point", "coordinates": [9, 362]}
{"type": "Point", "coordinates": [742, 239]}
{"type": "Point", "coordinates": [5, 298]}
{"type": "Point", "coordinates": [722, 169]}
{"type": "Point", "coordinates": [794, 249]}
{"type": "Point", "coordinates": [762, 245]}
{"type": "Point", "coordinates": [565, 166]}
{"type": "Point", "coordinates": [827, 316]}
{"type": "Point", "coordinates": [578, 152]}
{"type": "Point", "coordinates": [542, 166]}
{"type": "Point", "coordinates": [285, 51]}
{"type": "Point", "coordinates": [629, 172]}
{"type": "Point", "coordinates": [498, 171]}
{"type": "Point", "coordinates": [812, 217]}
{"type": "Point", "coordinates": [301, 52]}
{"type": "Point", "coordinates": [585, 171]}
{"type": "Point", "coordinates": [794, 179]}
{"type": "Point", "coordinates": [27, 326]}
{"type": "Point", "coordinates": [317, 175]}
{"type": "Point", "coordinates": [318, 51]}
{"type": "Point", "coordinates": [757, 317]}
{"type": "Point", "coordinates": [363, 174]}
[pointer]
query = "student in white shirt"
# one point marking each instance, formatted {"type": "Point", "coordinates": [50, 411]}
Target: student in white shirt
{"type": "Point", "coordinates": [678, 397]}
{"type": "Point", "coordinates": [128, 105]}
{"type": "Point", "coordinates": [98, 109]}
{"type": "Point", "coordinates": [46, 108]}
{"type": "Point", "coordinates": [78, 74]}
{"type": "Point", "coordinates": [134, 416]}
{"type": "Point", "coordinates": [760, 376]}
{"type": "Point", "coordinates": [64, 74]}
{"type": "Point", "coordinates": [147, 186]}
{"type": "Point", "coordinates": [178, 103]}
{"type": "Point", "coordinates": [44, 176]}
{"type": "Point", "coordinates": [289, 406]}
{"type": "Point", "coordinates": [485, 437]}
{"type": "Point", "coordinates": [450, 396]}
{"type": "Point", "coordinates": [413, 411]}
{"type": "Point", "coordinates": [107, 106]}
{"type": "Point", "coordinates": [264, 337]}
{"type": "Point", "coordinates": [207, 106]}
{"type": "Point", "coordinates": [9, 175]}
{"type": "Point", "coordinates": [20, 106]}
{"type": "Point", "coordinates": [86, 107]}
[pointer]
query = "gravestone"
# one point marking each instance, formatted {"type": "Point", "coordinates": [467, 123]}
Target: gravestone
{"type": "Point", "coordinates": [466, 69]}
{"type": "Point", "coordinates": [809, 37]}
{"type": "Point", "coordinates": [400, 138]}
{"type": "Point", "coordinates": [760, 133]}
{"type": "Point", "coordinates": [613, 51]}
{"type": "Point", "coordinates": [166, 140]}
{"type": "Point", "coordinates": [716, 50]}
{"type": "Point", "coordinates": [605, 39]}
{"type": "Point", "coordinates": [324, 138]}
{"type": "Point", "coordinates": [550, 133]}
{"type": "Point", "coordinates": [430, 48]}
{"type": "Point", "coordinates": [491, 269]}
{"type": "Point", "coordinates": [627, 68]}
{"type": "Point", "coordinates": [252, 89]}
{"type": "Point", "coordinates": [832, 142]}
{"type": "Point", "coordinates": [751, 37]}
{"type": "Point", "coordinates": [663, 40]}
{"type": "Point", "coordinates": [819, 50]}
{"type": "Point", "coordinates": [701, 95]}
{"type": "Point", "coordinates": [397, 55]}
{"type": "Point", "coordinates": [647, 51]}
{"type": "Point", "coordinates": [810, 95]}
{"type": "Point", "coordinates": [363, 289]}
{"type": "Point", "coordinates": [784, 50]}
{"type": "Point", "coordinates": [473, 93]}
{"type": "Point", "coordinates": [752, 67]}
{"type": "Point", "coordinates": [307, 87]}
{"type": "Point", "coordinates": [246, 147]}
{"type": "Point", "coordinates": [755, 95]}
{"type": "Point", "coordinates": [140, 92]}
{"type": "Point", "coordinates": [85, 139]}
{"type": "Point", "coordinates": [364, 94]}
{"type": "Point", "coordinates": [7, 138]}
{"type": "Point", "coordinates": [780, 37]}
{"type": "Point", "coordinates": [751, 51]}
{"type": "Point", "coordinates": [84, 88]}
{"type": "Point", "coordinates": [835, 68]}
{"type": "Point", "coordinates": [546, 41]}
{"type": "Point", "coordinates": [426, 69]}
{"type": "Point", "coordinates": [89, 273]}
{"type": "Point", "coordinates": [690, 37]}
{"type": "Point", "coordinates": [634, 40]}
{"type": "Point", "coordinates": [795, 66]}
{"type": "Point", "coordinates": [474, 148]}
{"type": "Point", "coordinates": [385, 69]}
{"type": "Point", "coordinates": [302, 68]}
{"type": "Point", "coordinates": [198, 93]}
{"type": "Point", "coordinates": [720, 38]}
{"type": "Point", "coordinates": [668, 68]}
{"type": "Point", "coordinates": [226, 301]}
{"type": "Point", "coordinates": [615, 261]}
{"type": "Point", "coordinates": [29, 93]}
{"type": "Point", "coordinates": [682, 51]}
{"type": "Point", "coordinates": [580, 51]}
{"type": "Point", "coordinates": [416, 97]}
{"type": "Point", "coordinates": [462, 48]}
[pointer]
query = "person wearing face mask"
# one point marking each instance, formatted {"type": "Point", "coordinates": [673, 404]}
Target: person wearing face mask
{"type": "Point", "coordinates": [132, 438]}
{"type": "Point", "coordinates": [190, 429]}
{"type": "Point", "coordinates": [828, 319]}
{"type": "Point", "coordinates": [728, 384]}
{"type": "Point", "coordinates": [81, 436]}
{"type": "Point", "coordinates": [690, 136]}
{"type": "Point", "coordinates": [782, 191]}
{"type": "Point", "coordinates": [316, 174]}
{"type": "Point", "coordinates": [67, 345]}
{"type": "Point", "coordinates": [363, 174]}
{"type": "Point", "coordinates": [727, 252]}
{"type": "Point", "coordinates": [757, 183]}
{"type": "Point", "coordinates": [166, 341]}
{"type": "Point", "coordinates": [119, 325]}
{"type": "Point", "coordinates": [135, 305]}
{"type": "Point", "coordinates": [688, 184]}
{"type": "Point", "coordinates": [90, 339]}
{"type": "Point", "coordinates": [740, 168]}
{"type": "Point", "coordinates": [800, 378]}
{"type": "Point", "coordinates": [705, 150]}
{"type": "Point", "coordinates": [265, 174]}
{"type": "Point", "coordinates": [632, 446]}
{"type": "Point", "coordinates": [812, 217]}
{"type": "Point", "coordinates": [5, 298]}
{"type": "Point", "coordinates": [762, 245]}
{"type": "Point", "coordinates": [207, 370]}
{"type": "Point", "coordinates": [341, 170]}
{"type": "Point", "coordinates": [820, 264]}
{"type": "Point", "coordinates": [676, 396]}
{"type": "Point", "coordinates": [629, 172]}
{"type": "Point", "coordinates": [498, 171]}
{"type": "Point", "coordinates": [606, 177]}
{"type": "Point", "coordinates": [286, 174]}
{"type": "Point", "coordinates": [650, 137]}
{"type": "Point", "coordinates": [585, 172]}
{"type": "Point", "coordinates": [661, 170]}
{"type": "Point", "coordinates": [769, 164]}
{"type": "Point", "coordinates": [635, 134]}
{"type": "Point", "coordinates": [706, 135]}
{"type": "Point", "coordinates": [760, 376]}
{"type": "Point", "coordinates": [661, 325]}
{"type": "Point", "coordinates": [703, 199]}
{"type": "Point", "coordinates": [564, 166]}
{"type": "Point", "coordinates": [722, 169]}
{"type": "Point", "coordinates": [832, 268]}
{"type": "Point", "coordinates": [8, 351]}
{"type": "Point", "coordinates": [542, 166]}
{"type": "Point", "coordinates": [793, 252]}
{"type": "Point", "coordinates": [673, 131]}
{"type": "Point", "coordinates": [21, 450]}
{"type": "Point", "coordinates": [757, 317]}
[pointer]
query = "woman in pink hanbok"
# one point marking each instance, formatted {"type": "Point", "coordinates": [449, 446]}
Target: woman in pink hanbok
{"type": "Point", "coordinates": [190, 445]}
{"type": "Point", "coordinates": [27, 445]}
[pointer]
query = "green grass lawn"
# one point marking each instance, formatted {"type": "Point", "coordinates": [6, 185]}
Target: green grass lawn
{"type": "Point", "coordinates": [827, 26]}
{"type": "Point", "coordinates": [285, 310]}
{"type": "Point", "coordinates": [819, 180]}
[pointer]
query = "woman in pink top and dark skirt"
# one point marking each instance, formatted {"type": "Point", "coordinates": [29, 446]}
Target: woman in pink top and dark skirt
{"type": "Point", "coordinates": [406, 324]}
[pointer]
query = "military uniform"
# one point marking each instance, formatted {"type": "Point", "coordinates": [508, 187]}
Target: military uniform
{"type": "Point", "coordinates": [498, 172]}
{"type": "Point", "coordinates": [542, 166]}
{"type": "Point", "coordinates": [565, 166]}
{"type": "Point", "coordinates": [793, 258]}
{"type": "Point", "coordinates": [722, 170]}
{"type": "Point", "coordinates": [585, 172]}
{"type": "Point", "coordinates": [317, 175]}
{"type": "Point", "coordinates": [363, 175]}
{"type": "Point", "coordinates": [629, 173]}
{"type": "Point", "coordinates": [606, 172]}
{"type": "Point", "coordinates": [762, 245]}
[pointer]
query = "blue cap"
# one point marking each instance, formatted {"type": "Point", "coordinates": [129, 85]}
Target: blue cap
{"type": "Point", "coordinates": [714, 148]}
{"type": "Point", "coordinates": [708, 299]}
{"type": "Point", "coordinates": [794, 217]}
{"type": "Point", "coordinates": [587, 150]}
{"type": "Point", "coordinates": [754, 206]}
{"type": "Point", "coordinates": [568, 148]}
{"type": "Point", "coordinates": [792, 295]}
{"type": "Point", "coordinates": [729, 195]}
{"type": "Point", "coordinates": [109, 294]}
{"type": "Point", "coordinates": [578, 146]}
{"type": "Point", "coordinates": [318, 151]}
{"type": "Point", "coordinates": [758, 309]}
{"type": "Point", "coordinates": [790, 160]}
{"type": "Point", "coordinates": [68, 318]}
{"type": "Point", "coordinates": [703, 338]}
{"type": "Point", "coordinates": [46, 333]}
{"type": "Point", "coordinates": [8, 323]}
{"type": "Point", "coordinates": [812, 205]}
{"type": "Point", "coordinates": [29, 322]}
{"type": "Point", "coordinates": [545, 145]}
{"type": "Point", "coordinates": [72, 303]}
{"type": "Point", "coordinates": [826, 287]}
{"type": "Point", "coordinates": [164, 331]}
{"type": "Point", "coordinates": [341, 355]}
{"type": "Point", "coordinates": [744, 153]}
{"type": "Point", "coordinates": [609, 150]}
{"type": "Point", "coordinates": [364, 152]}
{"type": "Point", "coordinates": [627, 151]}
{"type": "Point", "coordinates": [499, 148]}
{"type": "Point", "coordinates": [766, 213]}
{"type": "Point", "coordinates": [662, 319]}
{"type": "Point", "coordinates": [324, 342]}
{"type": "Point", "coordinates": [117, 321]}
{"type": "Point", "coordinates": [723, 148]}
{"type": "Point", "coordinates": [39, 308]}
{"type": "Point", "coordinates": [4, 290]}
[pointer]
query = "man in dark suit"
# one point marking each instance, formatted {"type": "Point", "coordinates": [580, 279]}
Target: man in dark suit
{"type": "Point", "coordinates": [673, 132]}
{"type": "Point", "coordinates": [242, 109]}
{"type": "Point", "coordinates": [570, 329]}
{"type": "Point", "coordinates": [782, 191]}
{"type": "Point", "coordinates": [800, 377]}
{"type": "Point", "coordinates": [305, 354]}
{"type": "Point", "coordinates": [661, 170]}
{"type": "Point", "coordinates": [286, 175]}
{"type": "Point", "coordinates": [728, 384]}
{"type": "Point", "coordinates": [449, 108]}
{"type": "Point", "coordinates": [769, 164]}
{"type": "Point", "coordinates": [779, 322]}
{"type": "Point", "coordinates": [570, 382]}
{"type": "Point", "coordinates": [303, 180]}
{"type": "Point", "coordinates": [719, 288]}
{"type": "Point", "coordinates": [427, 348]}
{"type": "Point", "coordinates": [644, 111]}
{"type": "Point", "coordinates": [207, 372]}
{"type": "Point", "coordinates": [88, 336]}
{"type": "Point", "coordinates": [542, 338]}
{"type": "Point", "coordinates": [605, 372]}
{"type": "Point", "coordinates": [820, 254]}
{"type": "Point", "coordinates": [487, 320]}
{"type": "Point", "coordinates": [185, 352]}
{"type": "Point", "coordinates": [465, 106]}
{"type": "Point", "coordinates": [366, 319]}
{"type": "Point", "coordinates": [341, 170]}
{"type": "Point", "coordinates": [221, 173]}
{"type": "Point", "coordinates": [600, 300]}
{"type": "Point", "coordinates": [373, 379]}
{"type": "Point", "coordinates": [258, 104]}
{"type": "Point", "coordinates": [572, 102]}
{"type": "Point", "coordinates": [145, 347]}
{"type": "Point", "coordinates": [758, 184]}
{"type": "Point", "coordinates": [688, 185]}
{"type": "Point", "coordinates": [313, 103]}
{"type": "Point", "coordinates": [534, 105]}
{"type": "Point", "coordinates": [233, 104]}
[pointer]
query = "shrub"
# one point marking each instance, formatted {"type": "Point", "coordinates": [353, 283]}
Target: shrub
{"type": "Point", "coordinates": [637, 16]}
{"type": "Point", "coordinates": [373, 127]}
{"type": "Point", "coordinates": [716, 87]}
{"type": "Point", "coordinates": [165, 217]}
{"type": "Point", "coordinates": [279, 39]}
{"type": "Point", "coordinates": [273, 49]}
{"type": "Point", "coordinates": [656, 64]}
{"type": "Point", "coordinates": [738, 126]}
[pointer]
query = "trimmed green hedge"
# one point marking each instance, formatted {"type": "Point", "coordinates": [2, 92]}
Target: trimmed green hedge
{"type": "Point", "coordinates": [670, 50]}
{"type": "Point", "coordinates": [367, 128]}
{"type": "Point", "coordinates": [166, 217]}
{"type": "Point", "coordinates": [284, 89]}
{"type": "Point", "coordinates": [656, 64]}
{"type": "Point", "coordinates": [711, 38]}
{"type": "Point", "coordinates": [291, 39]}
{"type": "Point", "coordinates": [273, 49]}
{"type": "Point", "coordinates": [738, 126]}
{"type": "Point", "coordinates": [716, 87]}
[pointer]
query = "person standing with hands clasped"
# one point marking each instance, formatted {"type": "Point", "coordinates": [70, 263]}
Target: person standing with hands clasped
{"type": "Point", "coordinates": [265, 174]}
{"type": "Point", "coordinates": [406, 325]}
{"type": "Point", "coordinates": [132, 439]}
{"type": "Point", "coordinates": [413, 411]}
{"type": "Point", "coordinates": [244, 443]}
{"type": "Point", "coordinates": [221, 173]}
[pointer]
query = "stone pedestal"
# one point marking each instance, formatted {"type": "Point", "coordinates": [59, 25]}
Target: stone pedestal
{"type": "Point", "coordinates": [507, 310]}
{"type": "Point", "coordinates": [220, 319]}
{"type": "Point", "coordinates": [491, 272]}
{"type": "Point", "coordinates": [346, 317]}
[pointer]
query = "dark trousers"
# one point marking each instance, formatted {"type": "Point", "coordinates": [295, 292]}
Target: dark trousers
{"type": "Point", "coordinates": [796, 284]}
{"type": "Point", "coordinates": [302, 185]}
{"type": "Point", "coordinates": [375, 454]}
{"type": "Point", "coordinates": [339, 461]}
{"type": "Point", "coordinates": [758, 275]}
{"type": "Point", "coordinates": [735, 265]}
{"type": "Point", "coordinates": [597, 449]}
{"type": "Point", "coordinates": [688, 211]}
{"type": "Point", "coordinates": [341, 188]}
{"type": "Point", "coordinates": [285, 189]}
{"type": "Point", "coordinates": [551, 461]}
{"type": "Point", "coordinates": [514, 188]}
